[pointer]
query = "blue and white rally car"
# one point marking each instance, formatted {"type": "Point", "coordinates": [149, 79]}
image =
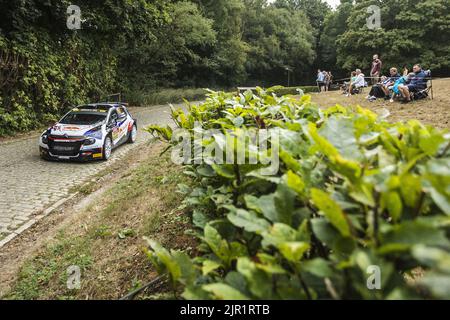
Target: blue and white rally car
{"type": "Point", "coordinates": [89, 132]}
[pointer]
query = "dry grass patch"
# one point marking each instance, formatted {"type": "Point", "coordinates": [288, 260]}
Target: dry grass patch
{"type": "Point", "coordinates": [106, 240]}
{"type": "Point", "coordinates": [434, 112]}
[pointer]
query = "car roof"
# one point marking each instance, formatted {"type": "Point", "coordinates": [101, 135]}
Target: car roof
{"type": "Point", "coordinates": [101, 105]}
{"type": "Point", "coordinates": [98, 107]}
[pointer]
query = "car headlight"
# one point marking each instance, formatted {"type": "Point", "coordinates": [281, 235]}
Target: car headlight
{"type": "Point", "coordinates": [44, 138]}
{"type": "Point", "coordinates": [95, 133]}
{"type": "Point", "coordinates": [89, 141]}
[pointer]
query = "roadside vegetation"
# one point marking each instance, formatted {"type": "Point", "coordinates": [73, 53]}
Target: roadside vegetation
{"type": "Point", "coordinates": [311, 230]}
{"type": "Point", "coordinates": [106, 239]}
{"type": "Point", "coordinates": [141, 48]}
{"type": "Point", "coordinates": [165, 96]}
{"type": "Point", "coordinates": [360, 186]}
{"type": "Point", "coordinates": [353, 193]}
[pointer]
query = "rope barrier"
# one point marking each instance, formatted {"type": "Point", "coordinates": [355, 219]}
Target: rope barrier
{"type": "Point", "coordinates": [344, 79]}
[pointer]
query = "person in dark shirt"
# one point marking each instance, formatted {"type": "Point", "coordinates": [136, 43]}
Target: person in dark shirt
{"type": "Point", "coordinates": [381, 89]}
{"type": "Point", "coordinates": [415, 84]}
{"type": "Point", "coordinates": [375, 71]}
{"type": "Point", "coordinates": [394, 76]}
{"type": "Point", "coordinates": [328, 80]}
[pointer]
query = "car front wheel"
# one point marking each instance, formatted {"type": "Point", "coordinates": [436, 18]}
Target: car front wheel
{"type": "Point", "coordinates": [107, 148]}
{"type": "Point", "coordinates": [132, 135]}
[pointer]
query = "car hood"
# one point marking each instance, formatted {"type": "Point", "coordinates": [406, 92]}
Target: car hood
{"type": "Point", "coordinates": [72, 130]}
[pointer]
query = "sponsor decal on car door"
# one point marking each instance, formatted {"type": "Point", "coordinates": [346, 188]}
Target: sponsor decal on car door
{"type": "Point", "coordinates": [120, 130]}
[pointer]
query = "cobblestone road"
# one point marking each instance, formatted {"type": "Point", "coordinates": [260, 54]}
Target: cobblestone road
{"type": "Point", "coordinates": [29, 185]}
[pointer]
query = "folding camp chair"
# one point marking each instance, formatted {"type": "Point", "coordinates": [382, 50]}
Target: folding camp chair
{"type": "Point", "coordinates": [428, 91]}
{"type": "Point", "coordinates": [358, 90]}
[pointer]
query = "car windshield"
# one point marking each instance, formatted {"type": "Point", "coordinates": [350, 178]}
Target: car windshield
{"type": "Point", "coordinates": [83, 118]}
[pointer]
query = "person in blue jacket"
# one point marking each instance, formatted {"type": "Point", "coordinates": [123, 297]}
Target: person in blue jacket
{"type": "Point", "coordinates": [321, 80]}
{"type": "Point", "coordinates": [402, 81]}
{"type": "Point", "coordinates": [414, 84]}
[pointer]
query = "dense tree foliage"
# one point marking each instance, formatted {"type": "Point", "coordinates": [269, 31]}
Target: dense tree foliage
{"type": "Point", "coordinates": [278, 38]}
{"type": "Point", "coordinates": [45, 67]}
{"type": "Point", "coordinates": [138, 46]}
{"type": "Point", "coordinates": [335, 24]}
{"type": "Point", "coordinates": [412, 31]}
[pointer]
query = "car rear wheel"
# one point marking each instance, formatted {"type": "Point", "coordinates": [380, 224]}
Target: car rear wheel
{"type": "Point", "coordinates": [132, 135]}
{"type": "Point", "coordinates": [107, 148]}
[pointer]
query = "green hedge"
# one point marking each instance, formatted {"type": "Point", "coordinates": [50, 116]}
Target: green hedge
{"type": "Point", "coordinates": [52, 77]}
{"type": "Point", "coordinates": [354, 196]}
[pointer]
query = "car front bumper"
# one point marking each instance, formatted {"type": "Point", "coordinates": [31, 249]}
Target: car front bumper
{"type": "Point", "coordinates": [83, 155]}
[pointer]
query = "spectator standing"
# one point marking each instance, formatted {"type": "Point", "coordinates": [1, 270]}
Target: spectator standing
{"type": "Point", "coordinates": [375, 72]}
{"type": "Point", "coordinates": [320, 80]}
{"type": "Point", "coordinates": [326, 80]}
{"type": "Point", "coordinates": [329, 80]}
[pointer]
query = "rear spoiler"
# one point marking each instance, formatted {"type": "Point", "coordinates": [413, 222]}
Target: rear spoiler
{"type": "Point", "coordinates": [116, 98]}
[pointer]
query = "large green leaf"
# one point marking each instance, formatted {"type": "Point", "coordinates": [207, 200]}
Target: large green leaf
{"type": "Point", "coordinates": [210, 266]}
{"type": "Point", "coordinates": [435, 258]}
{"type": "Point", "coordinates": [295, 182]}
{"type": "Point", "coordinates": [437, 283]}
{"type": "Point", "coordinates": [393, 203]}
{"type": "Point", "coordinates": [409, 233]}
{"type": "Point", "coordinates": [223, 291]}
{"type": "Point", "coordinates": [332, 211]}
{"type": "Point", "coordinates": [318, 267]}
{"type": "Point", "coordinates": [340, 132]}
{"type": "Point", "coordinates": [248, 220]}
{"type": "Point", "coordinates": [437, 182]}
{"type": "Point", "coordinates": [276, 207]}
{"type": "Point", "coordinates": [219, 246]}
{"type": "Point", "coordinates": [279, 233]}
{"type": "Point", "coordinates": [258, 281]}
{"type": "Point", "coordinates": [162, 257]}
{"type": "Point", "coordinates": [293, 251]}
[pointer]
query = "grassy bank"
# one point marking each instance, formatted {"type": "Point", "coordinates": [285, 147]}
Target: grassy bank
{"type": "Point", "coordinates": [106, 240]}
{"type": "Point", "coordinates": [434, 112]}
{"type": "Point", "coordinates": [164, 96]}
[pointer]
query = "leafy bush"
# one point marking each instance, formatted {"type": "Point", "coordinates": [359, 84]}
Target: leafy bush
{"type": "Point", "coordinates": [353, 192]}
{"type": "Point", "coordinates": [49, 79]}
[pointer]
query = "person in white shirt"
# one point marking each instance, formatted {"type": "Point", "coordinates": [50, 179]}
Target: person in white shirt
{"type": "Point", "coordinates": [359, 82]}
{"type": "Point", "coordinates": [320, 80]}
